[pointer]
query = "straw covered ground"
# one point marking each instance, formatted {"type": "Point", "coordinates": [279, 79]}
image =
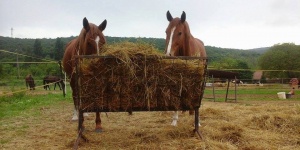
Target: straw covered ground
{"type": "Point", "coordinates": [254, 125]}
{"type": "Point", "coordinates": [248, 124]}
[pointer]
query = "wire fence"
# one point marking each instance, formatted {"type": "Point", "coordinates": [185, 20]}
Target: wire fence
{"type": "Point", "coordinates": [252, 92]}
{"type": "Point", "coordinates": [13, 86]}
{"type": "Point", "coordinates": [17, 83]}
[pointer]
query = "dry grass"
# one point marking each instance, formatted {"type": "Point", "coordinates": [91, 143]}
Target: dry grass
{"type": "Point", "coordinates": [137, 78]}
{"type": "Point", "coordinates": [243, 125]}
{"type": "Point", "coordinates": [248, 125]}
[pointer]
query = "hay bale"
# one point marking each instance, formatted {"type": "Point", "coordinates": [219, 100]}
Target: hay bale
{"type": "Point", "coordinates": [137, 77]}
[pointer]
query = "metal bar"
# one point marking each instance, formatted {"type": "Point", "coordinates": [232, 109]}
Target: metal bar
{"type": "Point", "coordinates": [235, 90]}
{"type": "Point", "coordinates": [148, 57]}
{"type": "Point", "coordinates": [197, 123]}
{"type": "Point", "coordinates": [61, 76]}
{"type": "Point", "coordinates": [213, 86]}
{"type": "Point", "coordinates": [141, 109]}
{"type": "Point", "coordinates": [77, 94]}
{"type": "Point", "coordinates": [227, 90]}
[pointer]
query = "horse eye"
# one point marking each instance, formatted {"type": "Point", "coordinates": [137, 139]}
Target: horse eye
{"type": "Point", "coordinates": [179, 33]}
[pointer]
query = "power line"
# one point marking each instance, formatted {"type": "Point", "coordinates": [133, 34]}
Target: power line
{"type": "Point", "coordinates": [49, 60]}
{"type": "Point", "coordinates": [260, 70]}
{"type": "Point", "coordinates": [42, 62]}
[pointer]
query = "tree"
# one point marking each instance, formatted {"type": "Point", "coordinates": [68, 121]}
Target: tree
{"type": "Point", "coordinates": [59, 49]}
{"type": "Point", "coordinates": [1, 71]}
{"type": "Point", "coordinates": [238, 66]}
{"type": "Point", "coordinates": [37, 48]}
{"type": "Point", "coordinates": [28, 50]}
{"type": "Point", "coordinates": [282, 57]}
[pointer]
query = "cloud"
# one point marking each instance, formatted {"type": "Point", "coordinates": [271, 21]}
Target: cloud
{"type": "Point", "coordinates": [231, 23]}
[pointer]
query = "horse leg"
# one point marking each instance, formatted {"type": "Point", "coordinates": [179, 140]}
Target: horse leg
{"type": "Point", "coordinates": [75, 115]}
{"type": "Point", "coordinates": [58, 86]}
{"type": "Point", "coordinates": [98, 122]}
{"type": "Point", "coordinates": [47, 86]}
{"type": "Point", "coordinates": [175, 118]}
{"type": "Point", "coordinates": [74, 96]}
{"type": "Point", "coordinates": [191, 112]}
{"type": "Point", "coordinates": [75, 100]}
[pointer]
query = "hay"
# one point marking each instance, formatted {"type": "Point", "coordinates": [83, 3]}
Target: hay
{"type": "Point", "coordinates": [131, 76]}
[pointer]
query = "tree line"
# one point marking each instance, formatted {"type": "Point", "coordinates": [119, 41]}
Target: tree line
{"type": "Point", "coordinates": [284, 56]}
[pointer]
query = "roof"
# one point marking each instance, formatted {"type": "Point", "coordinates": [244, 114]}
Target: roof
{"type": "Point", "coordinates": [257, 75]}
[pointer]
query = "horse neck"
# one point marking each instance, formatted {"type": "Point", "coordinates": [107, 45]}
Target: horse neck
{"type": "Point", "coordinates": [81, 46]}
{"type": "Point", "coordinates": [81, 43]}
{"type": "Point", "coordinates": [187, 45]}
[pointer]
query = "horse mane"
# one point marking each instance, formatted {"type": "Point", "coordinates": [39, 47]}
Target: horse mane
{"type": "Point", "coordinates": [188, 35]}
{"type": "Point", "coordinates": [82, 41]}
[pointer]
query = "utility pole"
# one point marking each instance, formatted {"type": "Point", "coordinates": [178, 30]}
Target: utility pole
{"type": "Point", "coordinates": [18, 66]}
{"type": "Point", "coordinates": [12, 30]}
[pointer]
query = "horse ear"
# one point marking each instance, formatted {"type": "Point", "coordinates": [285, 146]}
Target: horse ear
{"type": "Point", "coordinates": [86, 24]}
{"type": "Point", "coordinates": [169, 16]}
{"type": "Point", "coordinates": [102, 26]}
{"type": "Point", "coordinates": [183, 17]}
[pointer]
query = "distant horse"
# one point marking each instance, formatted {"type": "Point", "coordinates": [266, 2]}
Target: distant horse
{"type": "Point", "coordinates": [237, 81]}
{"type": "Point", "coordinates": [89, 41]}
{"type": "Point", "coordinates": [180, 42]}
{"type": "Point", "coordinates": [53, 79]}
{"type": "Point", "coordinates": [294, 82]}
{"type": "Point", "coordinates": [29, 81]}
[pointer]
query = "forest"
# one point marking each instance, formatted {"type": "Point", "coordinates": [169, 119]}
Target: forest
{"type": "Point", "coordinates": [41, 56]}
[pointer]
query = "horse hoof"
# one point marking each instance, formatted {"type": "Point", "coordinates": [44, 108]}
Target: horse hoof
{"type": "Point", "coordinates": [174, 124]}
{"type": "Point", "coordinates": [75, 118]}
{"type": "Point", "coordinates": [98, 130]}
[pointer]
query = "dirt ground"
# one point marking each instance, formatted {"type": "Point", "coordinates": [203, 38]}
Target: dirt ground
{"type": "Point", "coordinates": [254, 125]}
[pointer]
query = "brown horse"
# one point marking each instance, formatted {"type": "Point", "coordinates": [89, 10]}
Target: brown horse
{"type": "Point", "coordinates": [53, 79]}
{"type": "Point", "coordinates": [29, 81]}
{"type": "Point", "coordinates": [180, 42]}
{"type": "Point", "coordinates": [89, 41]}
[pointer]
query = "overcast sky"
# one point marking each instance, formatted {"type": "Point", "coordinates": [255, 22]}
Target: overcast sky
{"type": "Point", "coordinates": [241, 24]}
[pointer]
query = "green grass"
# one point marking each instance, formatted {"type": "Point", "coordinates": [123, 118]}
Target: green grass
{"type": "Point", "coordinates": [249, 93]}
{"type": "Point", "coordinates": [18, 103]}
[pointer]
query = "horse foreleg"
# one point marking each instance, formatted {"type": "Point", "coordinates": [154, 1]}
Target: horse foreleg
{"type": "Point", "coordinates": [191, 112]}
{"type": "Point", "coordinates": [175, 118]}
{"type": "Point", "coordinates": [75, 115]}
{"type": "Point", "coordinates": [98, 122]}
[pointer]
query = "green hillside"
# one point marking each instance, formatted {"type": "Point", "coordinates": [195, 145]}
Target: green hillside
{"type": "Point", "coordinates": [25, 46]}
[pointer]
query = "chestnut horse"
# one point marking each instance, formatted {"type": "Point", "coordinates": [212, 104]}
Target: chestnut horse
{"type": "Point", "coordinates": [29, 81]}
{"type": "Point", "coordinates": [89, 42]}
{"type": "Point", "coordinates": [53, 79]}
{"type": "Point", "coordinates": [180, 42]}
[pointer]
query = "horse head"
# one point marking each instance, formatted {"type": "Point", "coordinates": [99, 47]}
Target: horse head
{"type": "Point", "coordinates": [91, 38]}
{"type": "Point", "coordinates": [179, 40]}
{"type": "Point", "coordinates": [176, 34]}
{"type": "Point", "coordinates": [89, 42]}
